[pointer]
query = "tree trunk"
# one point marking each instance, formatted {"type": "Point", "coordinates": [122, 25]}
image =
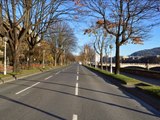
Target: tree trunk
{"type": "Point", "coordinates": [15, 61]}
{"type": "Point", "coordinates": [30, 57]}
{"type": "Point", "coordinates": [55, 60]}
{"type": "Point", "coordinates": [58, 59]}
{"type": "Point", "coordinates": [61, 60]}
{"type": "Point", "coordinates": [117, 67]}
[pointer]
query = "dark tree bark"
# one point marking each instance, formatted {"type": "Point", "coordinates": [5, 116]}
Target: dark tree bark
{"type": "Point", "coordinates": [117, 69]}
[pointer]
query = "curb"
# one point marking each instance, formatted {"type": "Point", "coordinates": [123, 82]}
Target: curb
{"type": "Point", "coordinates": [10, 79]}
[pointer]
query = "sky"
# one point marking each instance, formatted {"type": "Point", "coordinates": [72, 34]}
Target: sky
{"type": "Point", "coordinates": [125, 50]}
{"type": "Point", "coordinates": [152, 42]}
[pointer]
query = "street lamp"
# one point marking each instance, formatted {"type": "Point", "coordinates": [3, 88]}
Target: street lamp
{"type": "Point", "coordinates": [5, 65]}
{"type": "Point", "coordinates": [95, 59]}
{"type": "Point", "coordinates": [111, 57]}
{"type": "Point", "coordinates": [43, 59]}
{"type": "Point", "coordinates": [106, 52]}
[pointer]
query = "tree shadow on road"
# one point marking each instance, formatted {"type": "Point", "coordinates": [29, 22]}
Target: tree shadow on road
{"type": "Point", "coordinates": [101, 102]}
{"type": "Point", "coordinates": [66, 85]}
{"type": "Point", "coordinates": [32, 107]}
{"type": "Point", "coordinates": [81, 97]}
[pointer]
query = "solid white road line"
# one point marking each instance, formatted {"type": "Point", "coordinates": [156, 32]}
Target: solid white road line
{"type": "Point", "coordinates": [77, 73]}
{"type": "Point", "coordinates": [76, 89]}
{"type": "Point", "coordinates": [77, 77]}
{"type": "Point", "coordinates": [27, 88]}
{"type": "Point", "coordinates": [75, 117]}
{"type": "Point", "coordinates": [48, 77]}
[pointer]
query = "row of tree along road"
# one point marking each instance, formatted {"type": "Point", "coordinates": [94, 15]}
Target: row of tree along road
{"type": "Point", "coordinates": [29, 22]}
{"type": "Point", "coordinates": [35, 29]}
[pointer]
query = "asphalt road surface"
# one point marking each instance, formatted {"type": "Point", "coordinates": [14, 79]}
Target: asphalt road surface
{"type": "Point", "coordinates": [71, 93]}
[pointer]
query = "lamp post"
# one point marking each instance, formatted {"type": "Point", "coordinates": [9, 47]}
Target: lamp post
{"type": "Point", "coordinates": [5, 65]}
{"type": "Point", "coordinates": [28, 62]}
{"type": "Point", "coordinates": [106, 52]}
{"type": "Point", "coordinates": [43, 59]}
{"type": "Point", "coordinates": [95, 58]}
{"type": "Point", "coordinates": [111, 57]}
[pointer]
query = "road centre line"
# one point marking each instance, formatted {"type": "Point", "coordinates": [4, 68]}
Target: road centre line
{"type": "Point", "coordinates": [75, 117]}
{"type": "Point", "coordinates": [77, 77]}
{"type": "Point", "coordinates": [76, 89]}
{"type": "Point", "coordinates": [27, 88]}
{"type": "Point", "coordinates": [76, 85]}
{"type": "Point", "coordinates": [48, 77]}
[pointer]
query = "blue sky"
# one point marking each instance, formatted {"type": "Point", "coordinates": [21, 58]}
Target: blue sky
{"type": "Point", "coordinates": [79, 27]}
{"type": "Point", "coordinates": [152, 42]}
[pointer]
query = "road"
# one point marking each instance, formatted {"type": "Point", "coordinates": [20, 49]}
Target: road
{"type": "Point", "coordinates": [71, 93]}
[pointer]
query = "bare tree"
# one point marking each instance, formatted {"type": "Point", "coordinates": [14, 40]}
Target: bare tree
{"type": "Point", "coordinates": [88, 53]}
{"type": "Point", "coordinates": [28, 20]}
{"type": "Point", "coordinates": [99, 42]}
{"type": "Point", "coordinates": [126, 20]}
{"type": "Point", "coordinates": [42, 16]}
{"type": "Point", "coordinates": [62, 40]}
{"type": "Point", "coordinates": [69, 57]}
{"type": "Point", "coordinates": [13, 14]}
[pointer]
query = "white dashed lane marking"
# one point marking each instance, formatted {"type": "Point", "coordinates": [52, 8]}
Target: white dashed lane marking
{"type": "Point", "coordinates": [75, 117]}
{"type": "Point", "coordinates": [77, 77]}
{"type": "Point", "coordinates": [27, 88]}
{"type": "Point", "coordinates": [76, 89]}
{"type": "Point", "coordinates": [48, 77]}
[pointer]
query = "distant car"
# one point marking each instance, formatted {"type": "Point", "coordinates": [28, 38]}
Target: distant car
{"type": "Point", "coordinates": [80, 63]}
